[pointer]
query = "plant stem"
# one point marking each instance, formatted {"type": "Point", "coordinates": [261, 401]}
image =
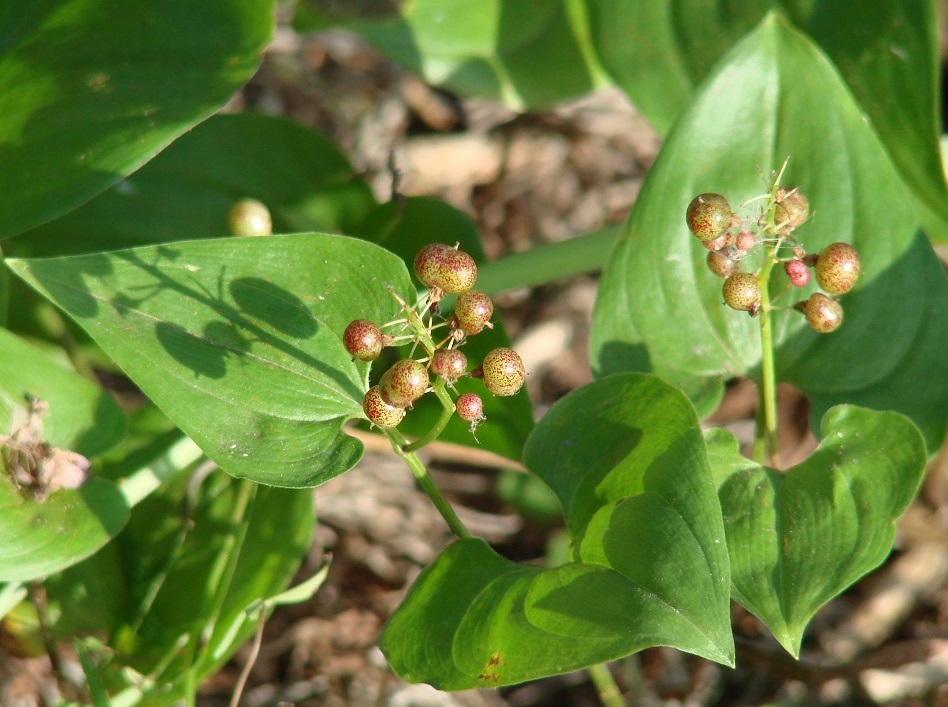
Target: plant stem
{"type": "Point", "coordinates": [447, 411]}
{"type": "Point", "coordinates": [424, 480]}
{"type": "Point", "coordinates": [605, 685]}
{"type": "Point", "coordinates": [768, 387]}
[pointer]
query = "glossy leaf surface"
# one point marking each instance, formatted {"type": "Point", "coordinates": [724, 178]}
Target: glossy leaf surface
{"type": "Point", "coordinates": [800, 537]}
{"type": "Point", "coordinates": [494, 48]}
{"type": "Point", "coordinates": [886, 52]}
{"type": "Point", "coordinates": [187, 191]}
{"type": "Point", "coordinates": [38, 538]}
{"type": "Point", "coordinates": [238, 340]}
{"type": "Point", "coordinates": [659, 307]}
{"type": "Point", "coordinates": [648, 567]}
{"type": "Point", "coordinates": [84, 106]}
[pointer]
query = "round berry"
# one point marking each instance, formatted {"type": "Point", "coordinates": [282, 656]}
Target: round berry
{"type": "Point", "coordinates": [444, 268]}
{"type": "Point", "coordinates": [502, 371]}
{"type": "Point", "coordinates": [450, 364]}
{"type": "Point", "coordinates": [745, 241]}
{"type": "Point", "coordinates": [792, 209]}
{"type": "Point", "coordinates": [473, 311]}
{"type": "Point", "coordinates": [363, 340]}
{"type": "Point", "coordinates": [379, 412]}
{"type": "Point", "coordinates": [249, 217]}
{"type": "Point", "coordinates": [742, 292]}
{"type": "Point", "coordinates": [470, 407]}
{"type": "Point", "coordinates": [797, 272]}
{"type": "Point", "coordinates": [720, 264]}
{"type": "Point", "coordinates": [837, 268]}
{"type": "Point", "coordinates": [822, 313]}
{"type": "Point", "coordinates": [708, 216]}
{"type": "Point", "coordinates": [403, 383]}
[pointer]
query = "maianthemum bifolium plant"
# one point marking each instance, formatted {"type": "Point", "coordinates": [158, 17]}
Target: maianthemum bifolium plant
{"type": "Point", "coordinates": [152, 542]}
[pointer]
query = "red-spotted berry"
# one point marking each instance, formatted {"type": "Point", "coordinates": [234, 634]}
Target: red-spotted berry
{"type": "Point", "coordinates": [720, 264]}
{"type": "Point", "coordinates": [403, 383]}
{"type": "Point", "coordinates": [473, 311]}
{"type": "Point", "coordinates": [708, 216]}
{"type": "Point", "coordinates": [379, 412]}
{"type": "Point", "coordinates": [742, 292]}
{"type": "Point", "coordinates": [450, 364]}
{"type": "Point", "coordinates": [797, 272]}
{"type": "Point", "coordinates": [445, 268]}
{"type": "Point", "coordinates": [502, 371]}
{"type": "Point", "coordinates": [837, 268]}
{"type": "Point", "coordinates": [470, 407]}
{"type": "Point", "coordinates": [363, 340]}
{"type": "Point", "coordinates": [745, 241]}
{"type": "Point", "coordinates": [792, 209]}
{"type": "Point", "coordinates": [249, 217]}
{"type": "Point", "coordinates": [825, 315]}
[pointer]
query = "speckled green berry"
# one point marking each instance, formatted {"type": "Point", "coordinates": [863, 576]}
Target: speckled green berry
{"type": "Point", "coordinates": [249, 217]}
{"type": "Point", "coordinates": [379, 412]}
{"type": "Point", "coordinates": [720, 264]}
{"type": "Point", "coordinates": [450, 364]}
{"type": "Point", "coordinates": [742, 292]}
{"type": "Point", "coordinates": [825, 315]}
{"type": "Point", "coordinates": [470, 407]}
{"type": "Point", "coordinates": [502, 371]}
{"type": "Point", "coordinates": [445, 268]}
{"type": "Point", "coordinates": [403, 383]}
{"type": "Point", "coordinates": [792, 209]}
{"type": "Point", "coordinates": [708, 216]}
{"type": "Point", "coordinates": [837, 268]}
{"type": "Point", "coordinates": [363, 340]}
{"type": "Point", "coordinates": [473, 311]}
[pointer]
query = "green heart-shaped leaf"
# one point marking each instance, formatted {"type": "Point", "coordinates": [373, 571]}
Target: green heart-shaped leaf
{"type": "Point", "coordinates": [887, 52]}
{"type": "Point", "coordinates": [660, 308]}
{"type": "Point", "coordinates": [91, 90]}
{"type": "Point", "coordinates": [239, 341]}
{"type": "Point", "coordinates": [38, 538]}
{"type": "Point", "coordinates": [187, 191]}
{"type": "Point", "coordinates": [800, 537]}
{"type": "Point", "coordinates": [649, 564]}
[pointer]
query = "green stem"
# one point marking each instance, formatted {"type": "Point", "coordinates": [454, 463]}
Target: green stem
{"type": "Point", "coordinates": [448, 410]}
{"type": "Point", "coordinates": [424, 480]}
{"type": "Point", "coordinates": [768, 387]}
{"type": "Point", "coordinates": [605, 685]}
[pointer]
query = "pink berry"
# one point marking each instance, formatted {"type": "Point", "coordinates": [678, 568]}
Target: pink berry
{"type": "Point", "coordinates": [745, 241]}
{"type": "Point", "coordinates": [470, 407]}
{"type": "Point", "coordinates": [797, 272]}
{"type": "Point", "coordinates": [363, 340]}
{"type": "Point", "coordinates": [403, 383]}
{"type": "Point", "coordinates": [837, 268]}
{"type": "Point", "coordinates": [379, 412]}
{"type": "Point", "coordinates": [444, 268]}
{"type": "Point", "coordinates": [450, 364]}
{"type": "Point", "coordinates": [502, 371]}
{"type": "Point", "coordinates": [473, 311]}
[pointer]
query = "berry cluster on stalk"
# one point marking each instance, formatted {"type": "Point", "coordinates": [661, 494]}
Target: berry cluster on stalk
{"type": "Point", "coordinates": [730, 239]}
{"type": "Point", "coordinates": [439, 363]}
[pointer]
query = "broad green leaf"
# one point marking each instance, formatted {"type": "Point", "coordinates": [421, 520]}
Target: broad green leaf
{"type": "Point", "coordinates": [494, 48]}
{"type": "Point", "coordinates": [798, 538]}
{"type": "Point", "coordinates": [659, 307]}
{"type": "Point", "coordinates": [38, 538]}
{"type": "Point", "coordinates": [187, 191]}
{"type": "Point", "coordinates": [91, 90]}
{"type": "Point", "coordinates": [404, 227]}
{"type": "Point", "coordinates": [648, 566]}
{"type": "Point", "coordinates": [195, 580]}
{"type": "Point", "coordinates": [887, 52]}
{"type": "Point", "coordinates": [238, 340]}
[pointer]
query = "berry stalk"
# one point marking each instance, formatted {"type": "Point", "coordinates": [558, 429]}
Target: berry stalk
{"type": "Point", "coordinates": [766, 444]}
{"type": "Point", "coordinates": [445, 417]}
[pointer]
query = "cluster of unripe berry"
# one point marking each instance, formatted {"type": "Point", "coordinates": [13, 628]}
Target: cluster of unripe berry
{"type": "Point", "coordinates": [729, 240]}
{"type": "Point", "coordinates": [444, 270]}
